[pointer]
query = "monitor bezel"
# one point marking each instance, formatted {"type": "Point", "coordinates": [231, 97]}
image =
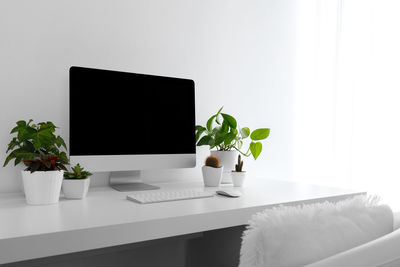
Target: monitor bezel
{"type": "Point", "coordinates": [106, 163]}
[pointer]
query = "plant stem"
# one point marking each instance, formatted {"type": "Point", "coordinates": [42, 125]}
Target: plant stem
{"type": "Point", "coordinates": [247, 154]}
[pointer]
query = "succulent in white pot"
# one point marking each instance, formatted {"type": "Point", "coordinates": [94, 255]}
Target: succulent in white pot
{"type": "Point", "coordinates": [212, 171]}
{"type": "Point", "coordinates": [238, 175]}
{"type": "Point", "coordinates": [40, 150]}
{"type": "Point", "coordinates": [76, 183]}
{"type": "Point", "coordinates": [226, 139]}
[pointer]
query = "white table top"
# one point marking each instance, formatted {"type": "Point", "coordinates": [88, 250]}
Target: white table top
{"type": "Point", "coordinates": [105, 218]}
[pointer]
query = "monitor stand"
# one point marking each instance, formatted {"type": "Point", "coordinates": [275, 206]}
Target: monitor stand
{"type": "Point", "coordinates": [125, 181]}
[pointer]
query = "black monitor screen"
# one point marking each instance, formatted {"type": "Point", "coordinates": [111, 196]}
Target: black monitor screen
{"type": "Point", "coordinates": [119, 113]}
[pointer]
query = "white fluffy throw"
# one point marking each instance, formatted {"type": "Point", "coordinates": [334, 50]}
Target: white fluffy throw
{"type": "Point", "coordinates": [287, 236]}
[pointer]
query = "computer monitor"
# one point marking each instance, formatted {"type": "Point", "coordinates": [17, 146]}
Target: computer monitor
{"type": "Point", "coordinates": [120, 122]}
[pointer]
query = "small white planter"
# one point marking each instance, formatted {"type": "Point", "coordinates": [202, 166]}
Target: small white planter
{"type": "Point", "coordinates": [42, 187]}
{"type": "Point", "coordinates": [228, 160]}
{"type": "Point", "coordinates": [212, 176]}
{"type": "Point", "coordinates": [238, 178]}
{"type": "Point", "coordinates": [75, 188]}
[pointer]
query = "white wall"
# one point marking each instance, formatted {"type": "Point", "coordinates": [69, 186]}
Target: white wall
{"type": "Point", "coordinates": [238, 52]}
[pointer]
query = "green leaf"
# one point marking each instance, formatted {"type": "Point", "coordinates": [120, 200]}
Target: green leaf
{"type": "Point", "coordinates": [24, 155]}
{"type": "Point", "coordinates": [13, 143]}
{"type": "Point", "coordinates": [36, 143]}
{"type": "Point", "coordinates": [209, 122]}
{"type": "Point", "coordinates": [231, 120]}
{"type": "Point", "coordinates": [63, 160]}
{"type": "Point", "coordinates": [60, 142]}
{"type": "Point", "coordinates": [28, 146]}
{"type": "Point", "coordinates": [204, 140]}
{"type": "Point", "coordinates": [217, 115]}
{"type": "Point", "coordinates": [9, 157]}
{"type": "Point", "coordinates": [63, 155]}
{"type": "Point", "coordinates": [215, 131]}
{"type": "Point", "coordinates": [15, 129]}
{"type": "Point", "coordinates": [255, 149]}
{"type": "Point", "coordinates": [259, 134]}
{"type": "Point", "coordinates": [21, 123]}
{"type": "Point", "coordinates": [47, 125]}
{"type": "Point", "coordinates": [17, 161]}
{"type": "Point", "coordinates": [219, 138]}
{"type": "Point", "coordinates": [21, 133]}
{"type": "Point", "coordinates": [46, 134]}
{"type": "Point", "coordinates": [30, 130]}
{"type": "Point", "coordinates": [200, 128]}
{"type": "Point", "coordinates": [62, 167]}
{"type": "Point", "coordinates": [217, 119]}
{"type": "Point", "coordinates": [244, 132]}
{"type": "Point", "coordinates": [25, 133]}
{"type": "Point", "coordinates": [211, 143]}
{"type": "Point", "coordinates": [199, 131]}
{"type": "Point", "coordinates": [229, 138]}
{"type": "Point", "coordinates": [240, 144]}
{"type": "Point", "coordinates": [225, 126]}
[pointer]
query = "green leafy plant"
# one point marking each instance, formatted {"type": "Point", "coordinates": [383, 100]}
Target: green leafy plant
{"type": "Point", "coordinates": [223, 133]}
{"type": "Point", "coordinates": [239, 165]}
{"type": "Point", "coordinates": [37, 147]}
{"type": "Point", "coordinates": [78, 172]}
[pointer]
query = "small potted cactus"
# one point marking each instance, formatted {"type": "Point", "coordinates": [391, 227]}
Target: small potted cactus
{"type": "Point", "coordinates": [238, 174]}
{"type": "Point", "coordinates": [76, 183]}
{"type": "Point", "coordinates": [212, 171]}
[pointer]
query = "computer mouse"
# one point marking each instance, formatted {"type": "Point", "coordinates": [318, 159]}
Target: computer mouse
{"type": "Point", "coordinates": [229, 193]}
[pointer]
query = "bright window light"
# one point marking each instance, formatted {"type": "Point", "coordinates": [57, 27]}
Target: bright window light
{"type": "Point", "coordinates": [347, 95]}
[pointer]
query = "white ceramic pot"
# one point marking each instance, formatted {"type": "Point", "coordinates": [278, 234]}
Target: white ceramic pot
{"type": "Point", "coordinates": [212, 176]}
{"type": "Point", "coordinates": [228, 160]}
{"type": "Point", "coordinates": [238, 178]}
{"type": "Point", "coordinates": [42, 187]}
{"type": "Point", "coordinates": [75, 188]}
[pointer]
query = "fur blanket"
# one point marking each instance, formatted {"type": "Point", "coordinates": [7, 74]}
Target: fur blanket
{"type": "Point", "coordinates": [287, 236]}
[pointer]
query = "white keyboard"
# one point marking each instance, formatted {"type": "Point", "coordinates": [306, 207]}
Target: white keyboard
{"type": "Point", "coordinates": [170, 195]}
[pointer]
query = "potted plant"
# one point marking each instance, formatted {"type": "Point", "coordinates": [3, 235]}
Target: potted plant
{"type": "Point", "coordinates": [238, 174]}
{"type": "Point", "coordinates": [40, 150]}
{"type": "Point", "coordinates": [223, 134]}
{"type": "Point", "coordinates": [212, 171]}
{"type": "Point", "coordinates": [76, 183]}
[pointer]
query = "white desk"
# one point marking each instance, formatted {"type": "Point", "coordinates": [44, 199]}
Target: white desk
{"type": "Point", "coordinates": [105, 218]}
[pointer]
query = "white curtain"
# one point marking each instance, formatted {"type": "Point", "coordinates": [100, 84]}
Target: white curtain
{"type": "Point", "coordinates": [347, 95]}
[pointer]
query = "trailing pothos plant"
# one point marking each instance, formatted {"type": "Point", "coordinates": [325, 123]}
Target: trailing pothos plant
{"type": "Point", "coordinates": [37, 147]}
{"type": "Point", "coordinates": [223, 133]}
